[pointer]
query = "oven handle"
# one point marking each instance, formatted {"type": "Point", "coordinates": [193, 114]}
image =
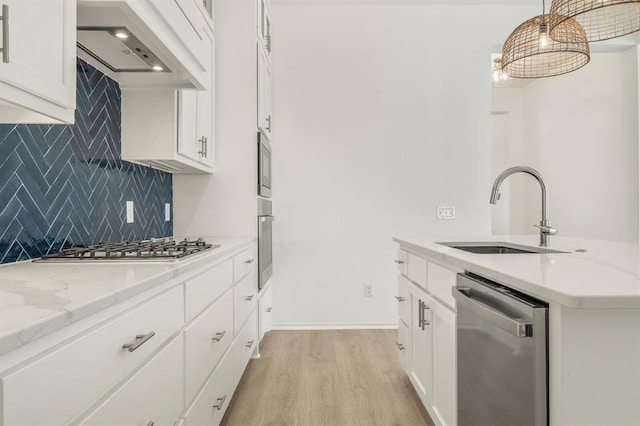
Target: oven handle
{"type": "Point", "coordinates": [267, 218]}
{"type": "Point", "coordinates": [514, 326]}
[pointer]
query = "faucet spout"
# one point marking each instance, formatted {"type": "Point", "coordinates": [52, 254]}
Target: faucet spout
{"type": "Point", "coordinates": [545, 225]}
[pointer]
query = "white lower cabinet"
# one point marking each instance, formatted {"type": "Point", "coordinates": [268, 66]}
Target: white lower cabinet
{"type": "Point", "coordinates": [427, 334]}
{"type": "Point", "coordinates": [154, 395]}
{"type": "Point", "coordinates": [212, 402]}
{"type": "Point", "coordinates": [245, 345]}
{"type": "Point", "coordinates": [443, 323]}
{"type": "Point", "coordinates": [206, 341]}
{"type": "Point", "coordinates": [421, 338]}
{"type": "Point", "coordinates": [265, 308]}
{"type": "Point", "coordinates": [245, 299]}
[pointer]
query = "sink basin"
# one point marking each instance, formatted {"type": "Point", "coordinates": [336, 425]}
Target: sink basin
{"type": "Point", "coordinates": [497, 248]}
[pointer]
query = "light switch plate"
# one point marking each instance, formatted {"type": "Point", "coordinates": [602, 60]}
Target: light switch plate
{"type": "Point", "coordinates": [446, 213]}
{"type": "Point", "coordinates": [129, 205]}
{"type": "Point", "coordinates": [167, 212]}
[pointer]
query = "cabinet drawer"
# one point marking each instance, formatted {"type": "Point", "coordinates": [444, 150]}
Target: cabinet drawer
{"type": "Point", "coordinates": [212, 402]}
{"type": "Point", "coordinates": [417, 270]}
{"type": "Point", "coordinates": [401, 260]}
{"type": "Point", "coordinates": [404, 345]}
{"type": "Point", "coordinates": [441, 281]}
{"type": "Point", "coordinates": [244, 262]}
{"type": "Point", "coordinates": [404, 299]}
{"type": "Point", "coordinates": [206, 340]}
{"type": "Point", "coordinates": [265, 308]}
{"type": "Point", "coordinates": [244, 347]}
{"type": "Point", "coordinates": [63, 382]}
{"type": "Point", "coordinates": [245, 300]}
{"type": "Point", "coordinates": [202, 290]}
{"type": "Point", "coordinates": [153, 394]}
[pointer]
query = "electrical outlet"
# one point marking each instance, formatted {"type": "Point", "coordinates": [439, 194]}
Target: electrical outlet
{"type": "Point", "coordinates": [446, 213]}
{"type": "Point", "coordinates": [129, 205]}
{"type": "Point", "coordinates": [368, 289]}
{"type": "Point", "coordinates": [167, 212]}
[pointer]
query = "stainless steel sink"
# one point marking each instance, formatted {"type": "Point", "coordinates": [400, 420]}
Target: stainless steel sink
{"type": "Point", "coordinates": [497, 248]}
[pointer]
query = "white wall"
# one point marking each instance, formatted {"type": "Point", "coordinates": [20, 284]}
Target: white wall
{"type": "Point", "coordinates": [580, 132]}
{"type": "Point", "coordinates": [381, 114]}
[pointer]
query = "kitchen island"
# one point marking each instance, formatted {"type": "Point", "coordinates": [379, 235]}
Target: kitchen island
{"type": "Point", "coordinates": [593, 292]}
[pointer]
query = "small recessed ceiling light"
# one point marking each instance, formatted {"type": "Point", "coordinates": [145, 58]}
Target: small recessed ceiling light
{"type": "Point", "coordinates": [157, 68]}
{"type": "Point", "coordinates": [121, 35]}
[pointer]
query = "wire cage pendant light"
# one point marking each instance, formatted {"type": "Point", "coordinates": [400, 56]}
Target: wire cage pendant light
{"type": "Point", "coordinates": [530, 52]}
{"type": "Point", "coordinates": [601, 19]}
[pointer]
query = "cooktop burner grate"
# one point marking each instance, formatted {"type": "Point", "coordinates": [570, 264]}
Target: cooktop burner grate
{"type": "Point", "coordinates": [155, 249]}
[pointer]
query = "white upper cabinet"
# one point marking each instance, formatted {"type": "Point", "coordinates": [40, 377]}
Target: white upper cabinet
{"type": "Point", "coordinates": [38, 61]}
{"type": "Point", "coordinates": [264, 27]}
{"type": "Point", "coordinates": [265, 119]}
{"type": "Point", "coordinates": [171, 130]}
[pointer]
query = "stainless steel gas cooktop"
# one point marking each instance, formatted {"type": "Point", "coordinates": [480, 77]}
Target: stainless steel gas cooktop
{"type": "Point", "coordinates": [161, 249]}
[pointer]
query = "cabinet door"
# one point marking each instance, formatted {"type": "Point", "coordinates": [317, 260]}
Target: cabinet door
{"type": "Point", "coordinates": [421, 345]}
{"type": "Point", "coordinates": [188, 143]}
{"type": "Point", "coordinates": [154, 395]}
{"type": "Point", "coordinates": [265, 120]}
{"type": "Point", "coordinates": [404, 299]}
{"type": "Point", "coordinates": [404, 345]}
{"type": "Point", "coordinates": [443, 323]}
{"type": "Point", "coordinates": [264, 26]}
{"type": "Point", "coordinates": [206, 114]}
{"type": "Point", "coordinates": [265, 311]}
{"type": "Point", "coordinates": [40, 53]}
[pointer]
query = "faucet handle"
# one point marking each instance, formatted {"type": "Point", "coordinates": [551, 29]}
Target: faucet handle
{"type": "Point", "coordinates": [548, 230]}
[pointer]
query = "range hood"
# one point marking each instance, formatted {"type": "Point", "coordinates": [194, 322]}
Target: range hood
{"type": "Point", "coordinates": [118, 49]}
{"type": "Point", "coordinates": [139, 43]}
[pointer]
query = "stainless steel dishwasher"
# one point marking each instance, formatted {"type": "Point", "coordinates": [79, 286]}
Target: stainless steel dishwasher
{"type": "Point", "coordinates": [502, 355]}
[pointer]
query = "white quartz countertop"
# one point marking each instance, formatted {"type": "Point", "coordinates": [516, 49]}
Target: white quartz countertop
{"type": "Point", "coordinates": [37, 298]}
{"type": "Point", "coordinates": [607, 275]}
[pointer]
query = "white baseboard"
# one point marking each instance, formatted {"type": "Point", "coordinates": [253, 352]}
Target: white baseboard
{"type": "Point", "coordinates": [334, 326]}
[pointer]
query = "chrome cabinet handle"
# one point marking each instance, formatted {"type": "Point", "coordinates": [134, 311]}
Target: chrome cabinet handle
{"type": "Point", "coordinates": [399, 299]}
{"type": "Point", "coordinates": [249, 298]}
{"type": "Point", "coordinates": [203, 146]}
{"type": "Point", "coordinates": [141, 339]}
{"type": "Point", "coordinates": [248, 262]}
{"type": "Point", "coordinates": [399, 262]}
{"type": "Point", "coordinates": [219, 335]}
{"type": "Point", "coordinates": [249, 344]}
{"type": "Point", "coordinates": [423, 321]}
{"type": "Point", "coordinates": [268, 119]}
{"type": "Point", "coordinates": [267, 218]}
{"type": "Point", "coordinates": [5, 33]}
{"type": "Point", "coordinates": [220, 403]}
{"type": "Point", "coordinates": [268, 309]}
{"type": "Point", "coordinates": [400, 346]}
{"type": "Point", "coordinates": [420, 313]}
{"type": "Point", "coordinates": [151, 423]}
{"type": "Point", "coordinates": [268, 40]}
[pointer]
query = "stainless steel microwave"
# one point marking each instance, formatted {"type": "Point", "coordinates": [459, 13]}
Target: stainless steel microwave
{"type": "Point", "coordinates": [264, 166]}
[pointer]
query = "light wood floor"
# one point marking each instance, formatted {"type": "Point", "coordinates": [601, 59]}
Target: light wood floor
{"type": "Point", "coordinates": [332, 378]}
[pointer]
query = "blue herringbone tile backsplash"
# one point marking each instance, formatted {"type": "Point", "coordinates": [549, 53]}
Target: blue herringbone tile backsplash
{"type": "Point", "coordinates": [66, 184]}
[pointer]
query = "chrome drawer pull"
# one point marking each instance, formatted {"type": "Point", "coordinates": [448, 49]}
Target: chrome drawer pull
{"type": "Point", "coordinates": [5, 33]}
{"type": "Point", "coordinates": [220, 403]}
{"type": "Point", "coordinates": [219, 336]}
{"type": "Point", "coordinates": [268, 309]}
{"type": "Point", "coordinates": [400, 346]}
{"type": "Point", "coordinates": [249, 298]}
{"type": "Point", "coordinates": [249, 344]}
{"type": "Point", "coordinates": [248, 261]}
{"type": "Point", "coordinates": [399, 262]}
{"type": "Point", "coordinates": [151, 423]}
{"type": "Point", "coordinates": [399, 298]}
{"type": "Point", "coordinates": [141, 339]}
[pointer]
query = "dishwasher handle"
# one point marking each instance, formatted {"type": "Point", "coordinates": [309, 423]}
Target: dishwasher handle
{"type": "Point", "coordinates": [514, 326]}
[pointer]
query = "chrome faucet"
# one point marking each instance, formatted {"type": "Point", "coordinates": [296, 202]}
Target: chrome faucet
{"type": "Point", "coordinates": [545, 225]}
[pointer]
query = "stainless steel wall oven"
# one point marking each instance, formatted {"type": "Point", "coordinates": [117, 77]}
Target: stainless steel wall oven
{"type": "Point", "coordinates": [265, 245]}
{"type": "Point", "coordinates": [264, 166]}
